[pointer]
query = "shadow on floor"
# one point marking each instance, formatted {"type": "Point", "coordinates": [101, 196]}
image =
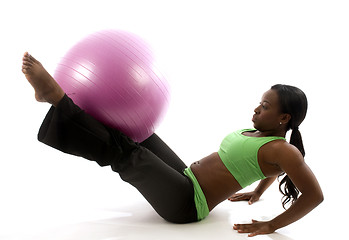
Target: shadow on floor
{"type": "Point", "coordinates": [141, 222]}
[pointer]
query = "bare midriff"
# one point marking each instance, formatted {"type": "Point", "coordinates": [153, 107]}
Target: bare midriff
{"type": "Point", "coordinates": [217, 183]}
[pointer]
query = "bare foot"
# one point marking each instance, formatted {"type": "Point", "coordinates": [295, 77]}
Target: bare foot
{"type": "Point", "coordinates": [46, 88]}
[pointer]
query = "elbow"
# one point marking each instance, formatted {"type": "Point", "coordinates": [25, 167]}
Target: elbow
{"type": "Point", "coordinates": [320, 195]}
{"type": "Point", "coordinates": [321, 198]}
{"type": "Point", "coordinates": [315, 197]}
{"type": "Point", "coordinates": [318, 198]}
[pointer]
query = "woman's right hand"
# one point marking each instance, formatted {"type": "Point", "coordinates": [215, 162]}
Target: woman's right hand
{"type": "Point", "coordinates": [251, 197]}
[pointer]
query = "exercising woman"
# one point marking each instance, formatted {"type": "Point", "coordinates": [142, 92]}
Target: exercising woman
{"type": "Point", "coordinates": [182, 194]}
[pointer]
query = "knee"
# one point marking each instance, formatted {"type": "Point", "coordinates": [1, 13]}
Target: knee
{"type": "Point", "coordinates": [128, 163]}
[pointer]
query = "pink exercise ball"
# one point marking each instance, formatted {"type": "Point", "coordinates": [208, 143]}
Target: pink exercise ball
{"type": "Point", "coordinates": [112, 76]}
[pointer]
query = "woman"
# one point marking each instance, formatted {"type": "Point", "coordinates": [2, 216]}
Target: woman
{"type": "Point", "coordinates": [180, 194]}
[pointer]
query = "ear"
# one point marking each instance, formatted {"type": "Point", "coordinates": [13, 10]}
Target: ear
{"type": "Point", "coordinates": [285, 118]}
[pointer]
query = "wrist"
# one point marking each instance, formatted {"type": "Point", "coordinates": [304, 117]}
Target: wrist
{"type": "Point", "coordinates": [273, 224]}
{"type": "Point", "coordinates": [258, 192]}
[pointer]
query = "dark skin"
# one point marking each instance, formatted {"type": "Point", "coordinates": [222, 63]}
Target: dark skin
{"type": "Point", "coordinates": [215, 180]}
{"type": "Point", "coordinates": [274, 158]}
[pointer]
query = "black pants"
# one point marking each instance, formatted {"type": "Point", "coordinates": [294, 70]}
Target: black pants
{"type": "Point", "coordinates": [151, 166]}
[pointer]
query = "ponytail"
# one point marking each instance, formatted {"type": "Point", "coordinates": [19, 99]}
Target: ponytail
{"type": "Point", "coordinates": [296, 140]}
{"type": "Point", "coordinates": [294, 102]}
{"type": "Point", "coordinates": [290, 191]}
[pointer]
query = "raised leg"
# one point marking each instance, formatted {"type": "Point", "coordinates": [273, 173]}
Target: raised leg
{"type": "Point", "coordinates": [155, 144]}
{"type": "Point", "coordinates": [158, 177]}
{"type": "Point", "coordinates": [69, 129]}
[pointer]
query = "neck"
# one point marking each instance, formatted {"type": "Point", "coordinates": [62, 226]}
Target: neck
{"type": "Point", "coordinates": [268, 133]}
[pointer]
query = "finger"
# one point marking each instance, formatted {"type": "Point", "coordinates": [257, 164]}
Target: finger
{"type": "Point", "coordinates": [234, 198]}
{"type": "Point", "coordinates": [245, 230]}
{"type": "Point", "coordinates": [248, 229]}
{"type": "Point", "coordinates": [253, 234]}
{"type": "Point", "coordinates": [239, 197]}
{"type": "Point", "coordinates": [235, 195]}
{"type": "Point", "coordinates": [242, 228]}
{"type": "Point", "coordinates": [237, 226]}
{"type": "Point", "coordinates": [255, 198]}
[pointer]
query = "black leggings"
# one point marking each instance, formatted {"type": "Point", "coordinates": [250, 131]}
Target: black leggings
{"type": "Point", "coordinates": [151, 166]}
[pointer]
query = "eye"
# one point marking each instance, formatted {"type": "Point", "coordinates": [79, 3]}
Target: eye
{"type": "Point", "coordinates": [264, 106]}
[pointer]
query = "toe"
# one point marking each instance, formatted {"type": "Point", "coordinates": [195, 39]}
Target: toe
{"type": "Point", "coordinates": [27, 63]}
{"type": "Point", "coordinates": [26, 67]}
{"type": "Point", "coordinates": [26, 55]}
{"type": "Point", "coordinates": [29, 58]}
{"type": "Point", "coordinates": [32, 59]}
{"type": "Point", "coordinates": [26, 59]}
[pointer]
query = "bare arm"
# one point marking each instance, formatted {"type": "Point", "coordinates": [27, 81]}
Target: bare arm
{"type": "Point", "coordinates": [291, 162]}
{"type": "Point", "coordinates": [254, 196]}
{"type": "Point", "coordinates": [264, 185]}
{"type": "Point", "coordinates": [306, 182]}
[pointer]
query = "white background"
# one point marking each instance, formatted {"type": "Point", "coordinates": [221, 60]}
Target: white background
{"type": "Point", "coordinates": [219, 57]}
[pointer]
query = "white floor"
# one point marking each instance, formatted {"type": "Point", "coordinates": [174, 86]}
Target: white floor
{"type": "Point", "coordinates": [137, 221]}
{"type": "Point", "coordinates": [48, 195]}
{"type": "Point", "coordinates": [220, 56]}
{"type": "Point", "coordinates": [80, 209]}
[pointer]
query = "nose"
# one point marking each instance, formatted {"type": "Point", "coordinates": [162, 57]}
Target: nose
{"type": "Point", "coordinates": [257, 109]}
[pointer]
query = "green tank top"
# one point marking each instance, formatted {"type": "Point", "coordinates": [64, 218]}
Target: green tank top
{"type": "Point", "coordinates": [239, 154]}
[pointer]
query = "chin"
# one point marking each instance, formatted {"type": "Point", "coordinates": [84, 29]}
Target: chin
{"type": "Point", "coordinates": [257, 127]}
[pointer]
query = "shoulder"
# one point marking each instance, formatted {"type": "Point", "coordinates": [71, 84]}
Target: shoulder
{"type": "Point", "coordinates": [281, 153]}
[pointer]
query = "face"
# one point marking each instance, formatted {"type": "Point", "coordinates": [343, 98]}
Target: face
{"type": "Point", "coordinates": [267, 115]}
